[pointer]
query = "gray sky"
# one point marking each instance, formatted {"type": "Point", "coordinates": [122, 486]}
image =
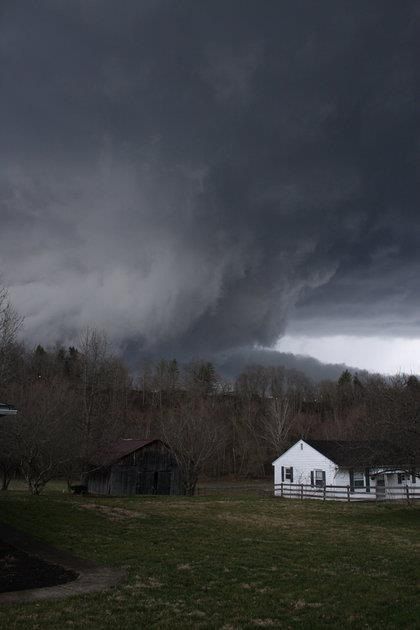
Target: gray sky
{"type": "Point", "coordinates": [198, 177]}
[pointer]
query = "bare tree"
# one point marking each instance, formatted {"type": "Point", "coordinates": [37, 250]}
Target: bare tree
{"type": "Point", "coordinates": [45, 437]}
{"type": "Point", "coordinates": [253, 382]}
{"type": "Point", "coordinates": [393, 418]}
{"type": "Point", "coordinates": [102, 391]}
{"type": "Point", "coordinates": [194, 436]}
{"type": "Point", "coordinates": [9, 455]}
{"type": "Point", "coordinates": [278, 422]}
{"type": "Point", "coordinates": [10, 324]}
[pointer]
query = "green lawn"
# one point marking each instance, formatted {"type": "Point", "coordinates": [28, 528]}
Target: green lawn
{"type": "Point", "coordinates": [220, 562]}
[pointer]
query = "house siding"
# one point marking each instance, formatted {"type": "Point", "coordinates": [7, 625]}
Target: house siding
{"type": "Point", "coordinates": [304, 459]}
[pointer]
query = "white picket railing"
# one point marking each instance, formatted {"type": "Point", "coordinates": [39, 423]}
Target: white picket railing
{"type": "Point", "coordinates": [347, 493]}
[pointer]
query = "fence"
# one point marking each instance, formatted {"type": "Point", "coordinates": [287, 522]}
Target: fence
{"type": "Point", "coordinates": [347, 493]}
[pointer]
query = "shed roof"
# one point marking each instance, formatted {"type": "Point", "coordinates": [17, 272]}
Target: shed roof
{"type": "Point", "coordinates": [349, 453]}
{"type": "Point", "coordinates": [119, 449]}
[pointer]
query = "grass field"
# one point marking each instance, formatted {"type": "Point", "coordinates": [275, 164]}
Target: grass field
{"type": "Point", "coordinates": [228, 562]}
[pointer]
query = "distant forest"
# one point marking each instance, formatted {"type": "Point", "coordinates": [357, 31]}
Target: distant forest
{"type": "Point", "coordinates": [74, 401]}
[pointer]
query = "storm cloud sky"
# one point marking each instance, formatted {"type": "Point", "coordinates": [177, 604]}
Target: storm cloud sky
{"type": "Point", "coordinates": [197, 177]}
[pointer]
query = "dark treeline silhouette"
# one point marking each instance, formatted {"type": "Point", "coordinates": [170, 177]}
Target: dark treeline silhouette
{"type": "Point", "coordinates": [74, 401]}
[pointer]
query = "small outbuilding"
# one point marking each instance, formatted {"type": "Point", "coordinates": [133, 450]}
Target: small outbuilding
{"type": "Point", "coordinates": [130, 467]}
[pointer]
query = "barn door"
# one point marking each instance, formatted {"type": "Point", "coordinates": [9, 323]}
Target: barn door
{"type": "Point", "coordinates": [163, 485]}
{"type": "Point", "coordinates": [153, 482]}
{"type": "Point", "coordinates": [145, 483]}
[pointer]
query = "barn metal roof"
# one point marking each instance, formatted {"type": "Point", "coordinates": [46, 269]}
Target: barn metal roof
{"type": "Point", "coordinates": [116, 451]}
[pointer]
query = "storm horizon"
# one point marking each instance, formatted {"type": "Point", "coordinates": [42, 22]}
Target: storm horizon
{"type": "Point", "coordinates": [228, 180]}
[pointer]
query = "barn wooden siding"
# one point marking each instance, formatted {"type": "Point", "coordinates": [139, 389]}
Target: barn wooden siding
{"type": "Point", "coordinates": [151, 469]}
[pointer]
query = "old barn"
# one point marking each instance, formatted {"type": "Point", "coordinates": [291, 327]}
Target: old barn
{"type": "Point", "coordinates": [134, 467]}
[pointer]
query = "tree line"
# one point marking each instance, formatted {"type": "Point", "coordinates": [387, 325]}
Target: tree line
{"type": "Point", "coordinates": [74, 401]}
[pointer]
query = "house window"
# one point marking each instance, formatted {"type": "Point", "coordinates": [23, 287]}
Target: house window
{"type": "Point", "coordinates": [319, 478]}
{"type": "Point", "coordinates": [358, 480]}
{"type": "Point", "coordinates": [401, 478]}
{"type": "Point", "coordinates": [288, 474]}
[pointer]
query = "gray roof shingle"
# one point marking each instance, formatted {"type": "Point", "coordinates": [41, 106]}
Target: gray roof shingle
{"type": "Point", "coordinates": [350, 453]}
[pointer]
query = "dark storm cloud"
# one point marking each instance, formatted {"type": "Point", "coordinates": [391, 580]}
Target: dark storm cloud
{"type": "Point", "coordinates": [196, 176]}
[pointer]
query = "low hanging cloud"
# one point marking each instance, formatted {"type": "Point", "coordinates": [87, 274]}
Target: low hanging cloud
{"type": "Point", "coordinates": [198, 179]}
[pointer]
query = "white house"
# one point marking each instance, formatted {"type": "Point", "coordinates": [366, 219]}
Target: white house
{"type": "Point", "coordinates": [354, 469]}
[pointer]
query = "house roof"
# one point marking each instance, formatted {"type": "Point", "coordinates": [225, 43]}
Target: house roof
{"type": "Point", "coordinates": [116, 451]}
{"type": "Point", "coordinates": [348, 453]}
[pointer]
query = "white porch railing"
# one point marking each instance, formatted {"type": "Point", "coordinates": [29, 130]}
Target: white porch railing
{"type": "Point", "coordinates": [347, 493]}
